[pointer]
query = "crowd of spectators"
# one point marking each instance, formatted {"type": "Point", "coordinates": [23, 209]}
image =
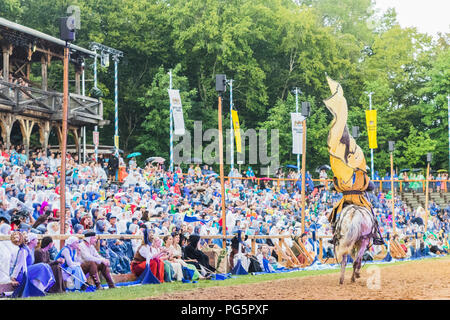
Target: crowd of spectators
{"type": "Point", "coordinates": [170, 210]}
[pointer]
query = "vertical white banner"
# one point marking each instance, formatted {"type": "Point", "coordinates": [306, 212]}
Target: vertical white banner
{"type": "Point", "coordinates": [177, 112]}
{"type": "Point", "coordinates": [297, 132]}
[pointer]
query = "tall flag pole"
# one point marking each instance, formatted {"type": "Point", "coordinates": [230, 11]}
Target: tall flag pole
{"type": "Point", "coordinates": [371, 149]}
{"type": "Point", "coordinates": [116, 107]}
{"type": "Point", "coordinates": [95, 86]}
{"type": "Point", "coordinates": [296, 110]}
{"type": "Point", "coordinates": [231, 123]}
{"type": "Point", "coordinates": [448, 111]}
{"type": "Point", "coordinates": [171, 124]}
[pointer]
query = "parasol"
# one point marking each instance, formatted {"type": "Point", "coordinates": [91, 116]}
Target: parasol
{"type": "Point", "coordinates": [134, 154]}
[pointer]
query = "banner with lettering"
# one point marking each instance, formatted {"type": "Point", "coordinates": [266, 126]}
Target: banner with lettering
{"type": "Point", "coordinates": [297, 132]}
{"type": "Point", "coordinates": [177, 112]}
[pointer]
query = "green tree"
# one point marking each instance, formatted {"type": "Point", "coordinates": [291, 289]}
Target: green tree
{"type": "Point", "coordinates": [156, 126]}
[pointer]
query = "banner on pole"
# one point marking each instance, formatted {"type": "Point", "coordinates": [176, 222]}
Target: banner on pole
{"type": "Point", "coordinates": [297, 132]}
{"type": "Point", "coordinates": [371, 122]}
{"type": "Point", "coordinates": [237, 130]}
{"type": "Point", "coordinates": [177, 112]}
{"type": "Point", "coordinates": [95, 138]}
{"type": "Point", "coordinates": [116, 142]}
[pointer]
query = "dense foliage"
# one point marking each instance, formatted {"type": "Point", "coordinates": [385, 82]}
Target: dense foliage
{"type": "Point", "coordinates": [267, 48]}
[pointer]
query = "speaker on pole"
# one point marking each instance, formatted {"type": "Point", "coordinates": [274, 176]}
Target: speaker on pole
{"type": "Point", "coordinates": [355, 132]}
{"type": "Point", "coordinates": [221, 83]}
{"type": "Point", "coordinates": [391, 146]}
{"type": "Point", "coordinates": [67, 28]}
{"type": "Point", "coordinates": [306, 109]}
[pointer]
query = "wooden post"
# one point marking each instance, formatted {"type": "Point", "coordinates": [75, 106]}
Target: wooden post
{"type": "Point", "coordinates": [426, 198]}
{"type": "Point", "coordinates": [222, 186]}
{"type": "Point", "coordinates": [303, 174]}
{"type": "Point", "coordinates": [393, 193]}
{"type": "Point", "coordinates": [78, 79]}
{"type": "Point", "coordinates": [44, 83]}
{"type": "Point", "coordinates": [320, 249]}
{"type": "Point", "coordinates": [253, 246]}
{"type": "Point", "coordinates": [62, 182]}
{"type": "Point", "coordinates": [6, 53]}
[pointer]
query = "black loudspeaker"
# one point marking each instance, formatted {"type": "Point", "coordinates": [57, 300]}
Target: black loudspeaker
{"type": "Point", "coordinates": [355, 132]}
{"type": "Point", "coordinates": [391, 146]}
{"type": "Point", "coordinates": [67, 28]}
{"type": "Point", "coordinates": [429, 157]}
{"type": "Point", "coordinates": [221, 82]}
{"type": "Point", "coordinates": [306, 109]}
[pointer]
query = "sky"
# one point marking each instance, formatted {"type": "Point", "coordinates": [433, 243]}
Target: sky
{"type": "Point", "coordinates": [429, 16]}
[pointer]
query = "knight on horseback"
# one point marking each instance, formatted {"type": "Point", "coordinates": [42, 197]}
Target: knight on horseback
{"type": "Point", "coordinates": [347, 162]}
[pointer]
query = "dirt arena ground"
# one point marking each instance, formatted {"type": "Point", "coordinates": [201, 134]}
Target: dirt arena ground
{"type": "Point", "coordinates": [423, 279]}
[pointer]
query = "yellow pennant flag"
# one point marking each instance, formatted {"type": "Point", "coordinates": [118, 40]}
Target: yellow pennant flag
{"type": "Point", "coordinates": [371, 121]}
{"type": "Point", "coordinates": [237, 131]}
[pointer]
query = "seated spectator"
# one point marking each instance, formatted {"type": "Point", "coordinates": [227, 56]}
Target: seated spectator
{"type": "Point", "coordinates": [169, 271]}
{"type": "Point", "coordinates": [176, 253]}
{"type": "Point", "coordinates": [29, 279]}
{"type": "Point", "coordinates": [8, 252]}
{"type": "Point", "coordinates": [72, 272]}
{"type": "Point", "coordinates": [191, 251]}
{"type": "Point", "coordinates": [43, 255]}
{"type": "Point", "coordinates": [92, 262]}
{"type": "Point", "coordinates": [144, 257]}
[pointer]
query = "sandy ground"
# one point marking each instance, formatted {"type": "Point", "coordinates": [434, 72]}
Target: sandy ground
{"type": "Point", "coordinates": [424, 279]}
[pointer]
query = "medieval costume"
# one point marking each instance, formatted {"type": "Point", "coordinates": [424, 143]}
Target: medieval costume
{"type": "Point", "coordinates": [8, 252]}
{"type": "Point", "coordinates": [42, 255]}
{"type": "Point", "coordinates": [92, 262]}
{"type": "Point", "coordinates": [191, 251]}
{"type": "Point", "coordinates": [33, 279]}
{"type": "Point", "coordinates": [144, 257]}
{"type": "Point", "coordinates": [72, 272]}
{"type": "Point", "coordinates": [346, 158]}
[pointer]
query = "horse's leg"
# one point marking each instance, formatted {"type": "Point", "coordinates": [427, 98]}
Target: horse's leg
{"type": "Point", "coordinates": [343, 264]}
{"type": "Point", "coordinates": [358, 259]}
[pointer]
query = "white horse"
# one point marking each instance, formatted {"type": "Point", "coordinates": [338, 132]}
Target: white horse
{"type": "Point", "coordinates": [354, 232]}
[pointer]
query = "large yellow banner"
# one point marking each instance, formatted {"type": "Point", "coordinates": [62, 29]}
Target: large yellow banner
{"type": "Point", "coordinates": [237, 130]}
{"type": "Point", "coordinates": [371, 122]}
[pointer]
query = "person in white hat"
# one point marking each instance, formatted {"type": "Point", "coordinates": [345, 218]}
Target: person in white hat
{"type": "Point", "coordinates": [72, 272]}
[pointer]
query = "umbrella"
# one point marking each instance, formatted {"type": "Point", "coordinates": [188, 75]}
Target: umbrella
{"type": "Point", "coordinates": [155, 159]}
{"type": "Point", "coordinates": [200, 189]}
{"type": "Point", "coordinates": [441, 170]}
{"type": "Point", "coordinates": [416, 170]}
{"type": "Point", "coordinates": [211, 175]}
{"type": "Point", "coordinates": [405, 170]}
{"type": "Point", "coordinates": [291, 166]}
{"type": "Point", "coordinates": [134, 154]}
{"type": "Point", "coordinates": [323, 167]}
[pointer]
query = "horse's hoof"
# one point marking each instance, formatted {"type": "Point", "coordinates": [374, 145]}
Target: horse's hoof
{"type": "Point", "coordinates": [357, 275]}
{"type": "Point", "coordinates": [353, 279]}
